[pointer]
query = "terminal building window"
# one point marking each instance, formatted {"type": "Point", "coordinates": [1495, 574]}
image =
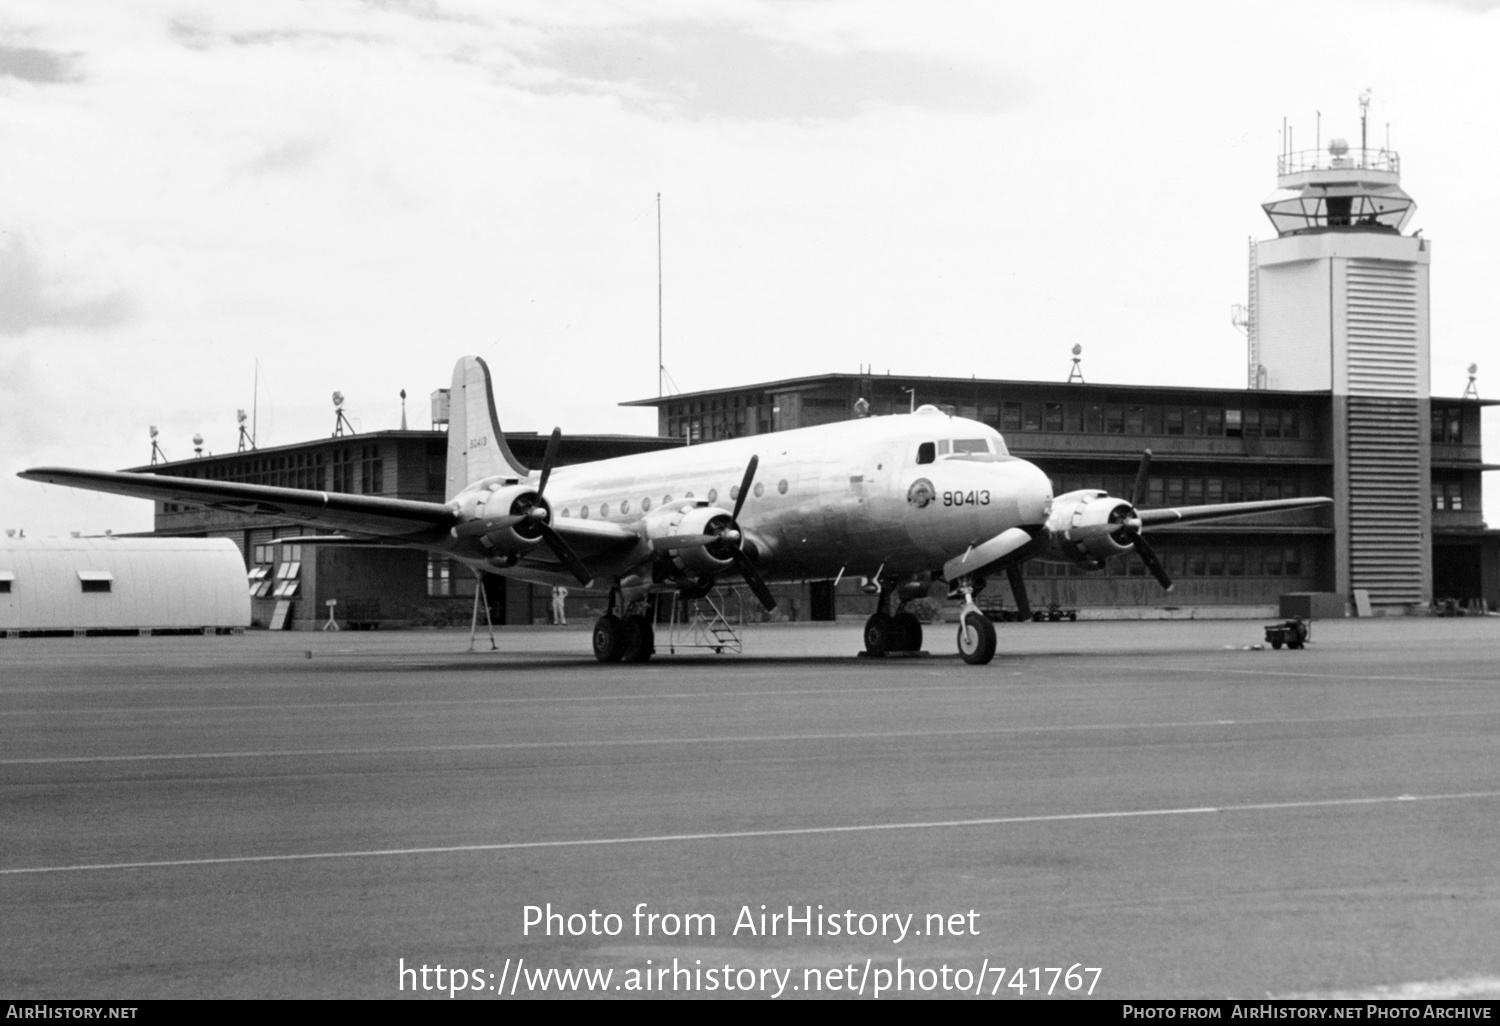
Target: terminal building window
{"type": "Point", "coordinates": [448, 578]}
{"type": "Point", "coordinates": [371, 470]}
{"type": "Point", "coordinates": [1448, 495]}
{"type": "Point", "coordinates": [1448, 424]}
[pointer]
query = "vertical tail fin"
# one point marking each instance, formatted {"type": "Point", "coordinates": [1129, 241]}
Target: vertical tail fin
{"type": "Point", "coordinates": [476, 446]}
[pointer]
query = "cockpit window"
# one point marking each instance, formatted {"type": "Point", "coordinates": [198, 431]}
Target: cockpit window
{"type": "Point", "coordinates": [944, 447]}
{"type": "Point", "coordinates": [926, 452]}
{"type": "Point", "coordinates": [971, 445]}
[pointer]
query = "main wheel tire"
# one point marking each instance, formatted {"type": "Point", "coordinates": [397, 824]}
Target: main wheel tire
{"type": "Point", "coordinates": [976, 639]}
{"type": "Point", "coordinates": [609, 638]}
{"type": "Point", "coordinates": [908, 632]}
{"type": "Point", "coordinates": [640, 640]}
{"type": "Point", "coordinates": [880, 635]}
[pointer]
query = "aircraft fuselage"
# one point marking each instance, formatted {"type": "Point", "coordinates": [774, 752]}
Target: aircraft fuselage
{"type": "Point", "coordinates": [902, 493]}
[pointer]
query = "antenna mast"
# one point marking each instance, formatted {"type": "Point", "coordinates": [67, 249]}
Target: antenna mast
{"type": "Point", "coordinates": [661, 368]}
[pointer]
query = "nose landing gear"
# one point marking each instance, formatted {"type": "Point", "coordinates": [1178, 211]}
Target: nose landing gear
{"type": "Point", "coordinates": [976, 634]}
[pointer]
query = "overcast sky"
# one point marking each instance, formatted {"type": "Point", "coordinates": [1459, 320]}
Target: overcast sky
{"type": "Point", "coordinates": [357, 193]}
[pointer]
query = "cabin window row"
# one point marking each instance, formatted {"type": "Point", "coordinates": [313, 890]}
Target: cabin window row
{"type": "Point", "coordinates": [625, 507]}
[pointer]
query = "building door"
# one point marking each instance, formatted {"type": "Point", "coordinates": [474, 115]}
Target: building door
{"type": "Point", "coordinates": [1455, 572]}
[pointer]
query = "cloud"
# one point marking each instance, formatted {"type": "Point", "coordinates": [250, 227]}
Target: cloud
{"type": "Point", "coordinates": [36, 297]}
{"type": "Point", "coordinates": [31, 65]}
{"type": "Point", "coordinates": [287, 156]}
{"type": "Point", "coordinates": [700, 71]}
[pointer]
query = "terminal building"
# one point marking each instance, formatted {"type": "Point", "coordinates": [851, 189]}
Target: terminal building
{"type": "Point", "coordinates": [1337, 403]}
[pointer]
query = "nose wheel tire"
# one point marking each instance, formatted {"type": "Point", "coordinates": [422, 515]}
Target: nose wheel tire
{"type": "Point", "coordinates": [976, 638]}
{"type": "Point", "coordinates": [609, 638]}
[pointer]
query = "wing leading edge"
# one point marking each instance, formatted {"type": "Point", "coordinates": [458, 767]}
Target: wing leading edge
{"type": "Point", "coordinates": [375, 516]}
{"type": "Point", "coordinates": [1184, 514]}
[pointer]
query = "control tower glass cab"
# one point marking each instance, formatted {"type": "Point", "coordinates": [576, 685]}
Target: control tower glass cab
{"type": "Point", "coordinates": [1340, 190]}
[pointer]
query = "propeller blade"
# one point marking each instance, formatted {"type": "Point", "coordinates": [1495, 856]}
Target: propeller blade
{"type": "Point", "coordinates": [1152, 560]}
{"type": "Point", "coordinates": [553, 444]}
{"type": "Point", "coordinates": [565, 555]}
{"type": "Point", "coordinates": [1139, 492]}
{"type": "Point", "coordinates": [752, 577]}
{"type": "Point", "coordinates": [744, 491]}
{"type": "Point", "coordinates": [1018, 589]}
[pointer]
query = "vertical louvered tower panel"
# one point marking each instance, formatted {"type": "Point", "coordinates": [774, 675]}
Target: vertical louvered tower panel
{"type": "Point", "coordinates": [1340, 303]}
{"type": "Point", "coordinates": [1387, 494]}
{"type": "Point", "coordinates": [1386, 515]}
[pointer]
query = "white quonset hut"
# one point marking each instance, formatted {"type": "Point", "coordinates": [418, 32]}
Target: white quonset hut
{"type": "Point", "coordinates": [81, 584]}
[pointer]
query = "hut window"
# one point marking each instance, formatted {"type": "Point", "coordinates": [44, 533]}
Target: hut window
{"type": "Point", "coordinates": [95, 580]}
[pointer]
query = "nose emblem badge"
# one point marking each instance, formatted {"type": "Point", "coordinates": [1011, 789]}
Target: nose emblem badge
{"type": "Point", "coordinates": [920, 493]}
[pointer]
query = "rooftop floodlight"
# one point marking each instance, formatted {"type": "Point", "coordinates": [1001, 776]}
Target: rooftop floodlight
{"type": "Point", "coordinates": [340, 422]}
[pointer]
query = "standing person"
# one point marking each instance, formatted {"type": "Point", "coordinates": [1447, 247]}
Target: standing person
{"type": "Point", "coordinates": [560, 606]}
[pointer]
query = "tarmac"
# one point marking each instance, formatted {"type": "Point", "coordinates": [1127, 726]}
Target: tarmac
{"type": "Point", "coordinates": [1122, 810]}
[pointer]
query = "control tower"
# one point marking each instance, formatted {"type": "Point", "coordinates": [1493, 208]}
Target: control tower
{"type": "Point", "coordinates": [1339, 302]}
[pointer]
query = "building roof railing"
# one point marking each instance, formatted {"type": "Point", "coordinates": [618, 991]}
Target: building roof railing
{"type": "Point", "coordinates": [1355, 159]}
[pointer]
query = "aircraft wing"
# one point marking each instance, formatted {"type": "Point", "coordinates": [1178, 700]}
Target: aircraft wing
{"type": "Point", "coordinates": [375, 516]}
{"type": "Point", "coordinates": [596, 542]}
{"type": "Point", "coordinates": [1182, 514]}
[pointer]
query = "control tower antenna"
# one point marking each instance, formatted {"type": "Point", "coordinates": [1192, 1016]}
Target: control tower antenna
{"type": "Point", "coordinates": [1364, 117]}
{"type": "Point", "coordinates": [1076, 374]}
{"type": "Point", "coordinates": [1472, 391]}
{"type": "Point", "coordinates": [661, 368]}
{"type": "Point", "coordinates": [662, 377]}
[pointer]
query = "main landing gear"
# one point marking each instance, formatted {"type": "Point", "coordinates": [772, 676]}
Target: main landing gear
{"type": "Point", "coordinates": [630, 637]}
{"type": "Point", "coordinates": [891, 635]}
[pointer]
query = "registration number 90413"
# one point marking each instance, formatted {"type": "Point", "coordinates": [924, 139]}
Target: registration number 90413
{"type": "Point", "coordinates": [973, 498]}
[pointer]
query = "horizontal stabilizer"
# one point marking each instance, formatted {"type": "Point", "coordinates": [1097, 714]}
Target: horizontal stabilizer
{"type": "Point", "coordinates": [343, 540]}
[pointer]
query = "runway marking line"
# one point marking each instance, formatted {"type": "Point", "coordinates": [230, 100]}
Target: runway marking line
{"type": "Point", "coordinates": [596, 842]}
{"type": "Point", "coordinates": [985, 685]}
{"type": "Point", "coordinates": [52, 760]}
{"type": "Point", "coordinates": [1349, 677]}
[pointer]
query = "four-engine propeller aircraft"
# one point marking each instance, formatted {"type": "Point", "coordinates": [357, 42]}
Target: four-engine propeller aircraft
{"type": "Point", "coordinates": [899, 500]}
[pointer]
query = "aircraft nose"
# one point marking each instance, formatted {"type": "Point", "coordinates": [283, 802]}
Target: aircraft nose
{"type": "Point", "coordinates": [1033, 493]}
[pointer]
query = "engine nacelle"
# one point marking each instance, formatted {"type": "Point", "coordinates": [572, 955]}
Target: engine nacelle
{"type": "Point", "coordinates": [1084, 528]}
{"type": "Point", "coordinates": [693, 561]}
{"type": "Point", "coordinates": [504, 501]}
